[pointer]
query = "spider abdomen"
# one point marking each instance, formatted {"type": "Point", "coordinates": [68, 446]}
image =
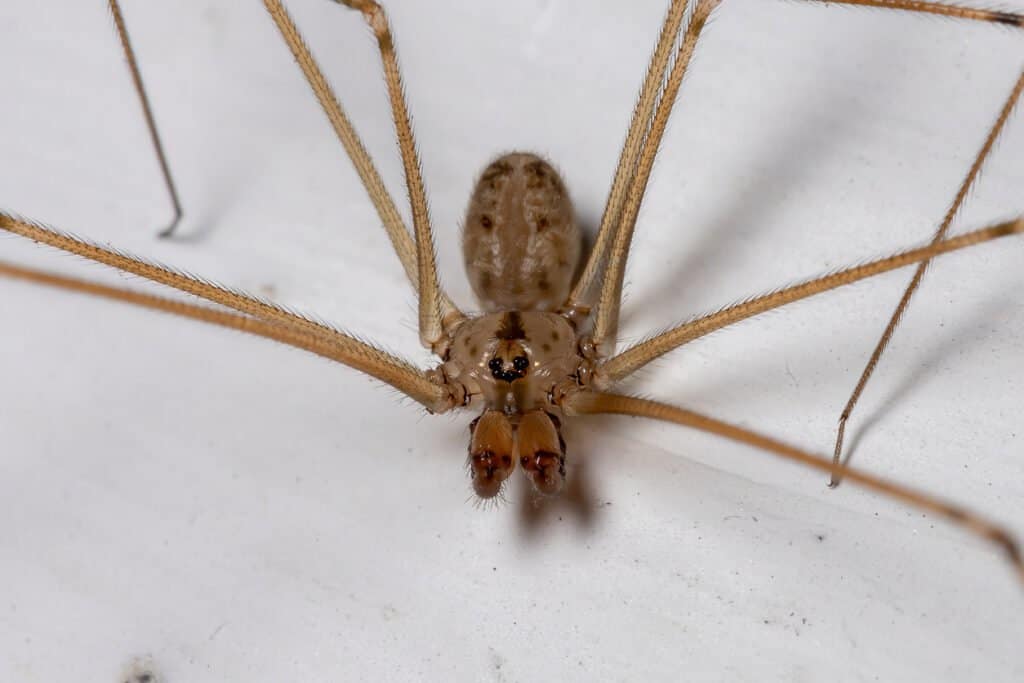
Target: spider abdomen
{"type": "Point", "coordinates": [520, 241]}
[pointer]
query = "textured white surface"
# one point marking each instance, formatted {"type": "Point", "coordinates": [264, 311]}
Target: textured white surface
{"type": "Point", "coordinates": [239, 511]}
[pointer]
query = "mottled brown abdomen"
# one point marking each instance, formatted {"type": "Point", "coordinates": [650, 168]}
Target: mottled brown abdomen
{"type": "Point", "coordinates": [520, 242]}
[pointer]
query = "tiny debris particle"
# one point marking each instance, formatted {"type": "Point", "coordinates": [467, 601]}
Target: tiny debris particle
{"type": "Point", "coordinates": [140, 670]}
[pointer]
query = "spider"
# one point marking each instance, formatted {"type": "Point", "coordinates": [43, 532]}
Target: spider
{"type": "Point", "coordinates": [544, 350]}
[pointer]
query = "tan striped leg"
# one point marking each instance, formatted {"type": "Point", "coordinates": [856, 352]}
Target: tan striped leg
{"type": "Point", "coordinates": [606, 316]}
{"type": "Point", "coordinates": [595, 403]}
{"type": "Point", "coordinates": [267, 319]}
{"type": "Point", "coordinates": [607, 313]}
{"type": "Point", "coordinates": [154, 135]}
{"type": "Point", "coordinates": [625, 172]}
{"type": "Point", "coordinates": [629, 361]}
{"type": "Point", "coordinates": [915, 282]}
{"type": "Point", "coordinates": [953, 10]}
{"type": "Point", "coordinates": [432, 299]}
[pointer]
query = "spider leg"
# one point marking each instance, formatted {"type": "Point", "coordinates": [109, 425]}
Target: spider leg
{"type": "Point", "coordinates": [607, 311]}
{"type": "Point", "coordinates": [915, 282]}
{"type": "Point", "coordinates": [154, 135]}
{"type": "Point", "coordinates": [625, 172]}
{"type": "Point", "coordinates": [586, 402]}
{"type": "Point", "coordinates": [952, 10]}
{"type": "Point", "coordinates": [263, 319]}
{"type": "Point", "coordinates": [606, 318]}
{"type": "Point", "coordinates": [629, 361]}
{"type": "Point", "coordinates": [437, 312]}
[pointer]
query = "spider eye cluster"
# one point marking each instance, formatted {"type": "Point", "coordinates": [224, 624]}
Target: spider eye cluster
{"type": "Point", "coordinates": [520, 364]}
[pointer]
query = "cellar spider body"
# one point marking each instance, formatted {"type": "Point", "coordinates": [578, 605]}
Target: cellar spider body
{"type": "Point", "coordinates": [506, 367]}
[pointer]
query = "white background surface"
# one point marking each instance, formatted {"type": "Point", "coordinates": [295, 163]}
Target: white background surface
{"type": "Point", "coordinates": [241, 511]}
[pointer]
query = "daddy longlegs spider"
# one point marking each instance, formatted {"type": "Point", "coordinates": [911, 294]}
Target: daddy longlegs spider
{"type": "Point", "coordinates": [526, 390]}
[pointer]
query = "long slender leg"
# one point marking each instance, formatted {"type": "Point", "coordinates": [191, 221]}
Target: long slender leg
{"type": "Point", "coordinates": [154, 135]}
{"type": "Point", "coordinates": [592, 403]}
{"type": "Point", "coordinates": [626, 169]}
{"type": "Point", "coordinates": [915, 282]}
{"type": "Point", "coordinates": [284, 334]}
{"type": "Point", "coordinates": [431, 328]}
{"type": "Point", "coordinates": [396, 229]}
{"type": "Point", "coordinates": [606, 320]}
{"type": "Point", "coordinates": [287, 327]}
{"type": "Point", "coordinates": [953, 10]}
{"type": "Point", "coordinates": [629, 361]}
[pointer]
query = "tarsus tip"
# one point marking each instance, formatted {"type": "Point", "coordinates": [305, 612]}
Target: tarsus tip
{"type": "Point", "coordinates": [170, 229]}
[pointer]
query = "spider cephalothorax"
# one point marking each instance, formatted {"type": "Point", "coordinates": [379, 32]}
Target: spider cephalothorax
{"type": "Point", "coordinates": [513, 363]}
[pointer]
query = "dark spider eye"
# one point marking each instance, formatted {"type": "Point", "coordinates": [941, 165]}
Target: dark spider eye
{"type": "Point", "coordinates": [495, 365]}
{"type": "Point", "coordinates": [520, 363]}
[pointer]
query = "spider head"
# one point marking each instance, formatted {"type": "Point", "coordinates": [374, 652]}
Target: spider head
{"type": "Point", "coordinates": [511, 359]}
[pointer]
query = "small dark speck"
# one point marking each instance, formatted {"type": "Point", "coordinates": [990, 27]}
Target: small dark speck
{"type": "Point", "coordinates": [141, 677]}
{"type": "Point", "coordinates": [140, 670]}
{"type": "Point", "coordinates": [820, 537]}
